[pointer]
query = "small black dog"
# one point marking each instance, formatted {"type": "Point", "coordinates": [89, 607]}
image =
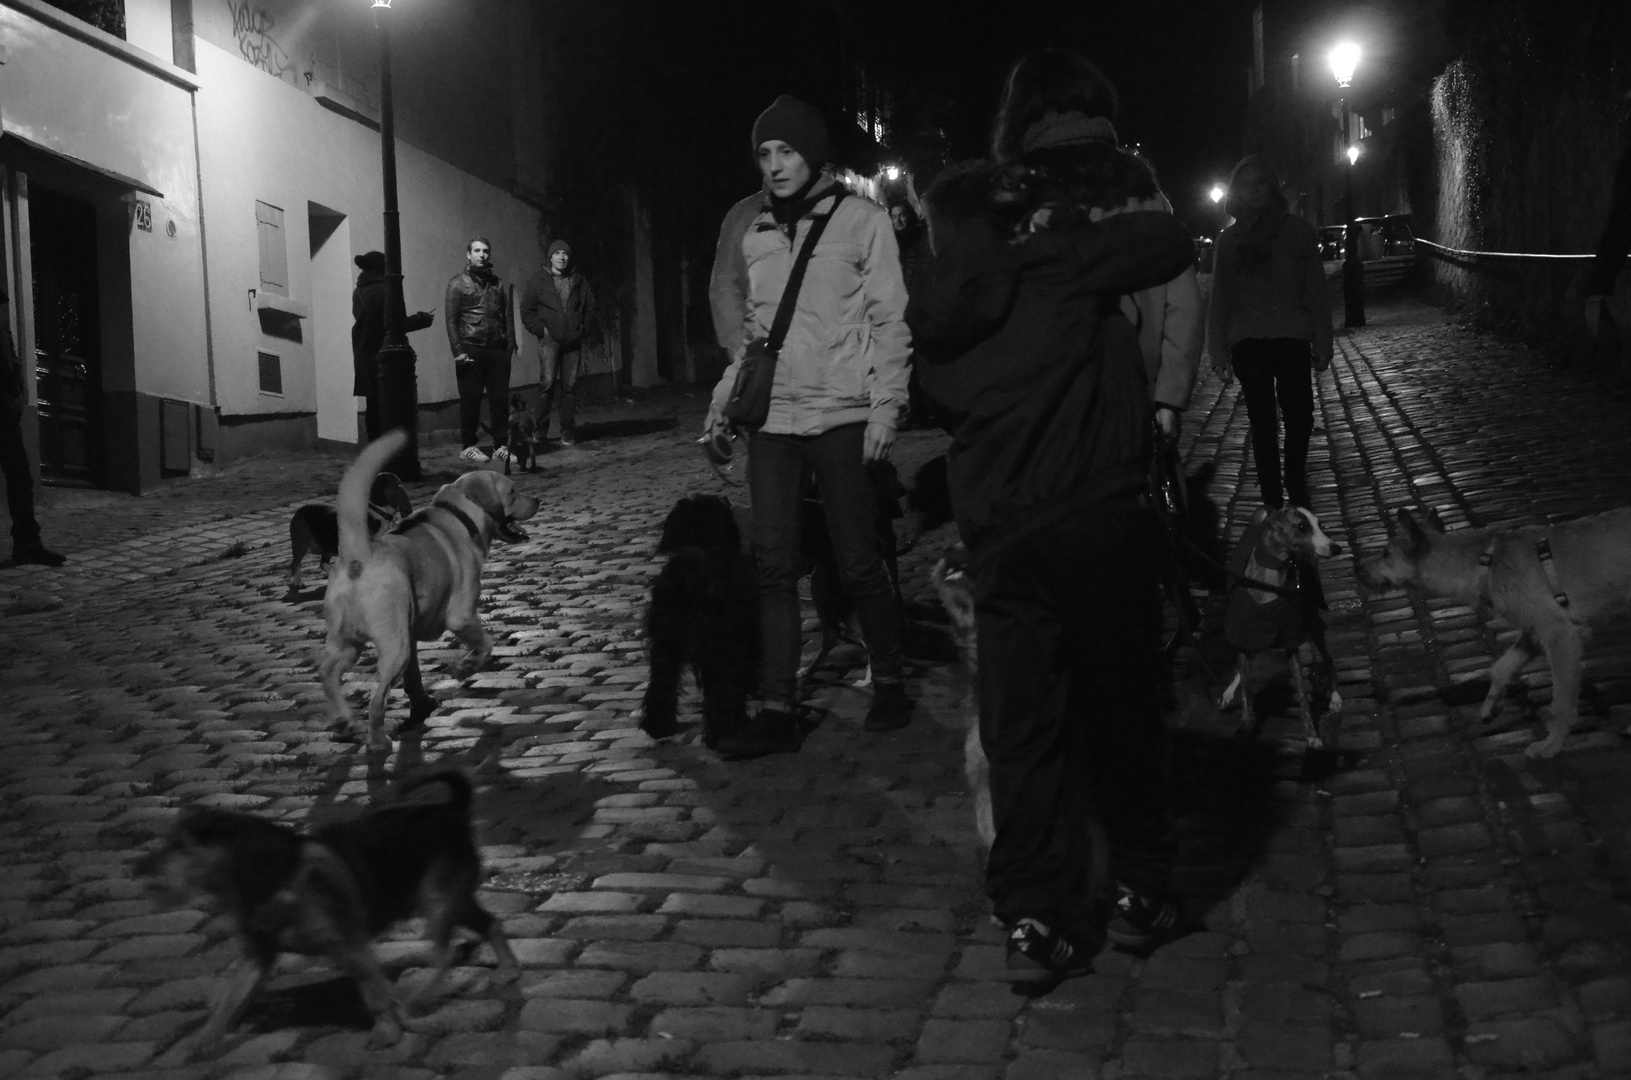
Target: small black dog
{"type": "Point", "coordinates": [522, 436]}
{"type": "Point", "coordinates": [331, 892]}
{"type": "Point", "coordinates": [704, 613]}
{"type": "Point", "coordinates": [314, 527]}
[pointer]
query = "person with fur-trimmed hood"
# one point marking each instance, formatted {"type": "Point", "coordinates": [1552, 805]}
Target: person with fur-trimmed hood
{"type": "Point", "coordinates": [556, 306]}
{"type": "Point", "coordinates": [1021, 337]}
{"type": "Point", "coordinates": [839, 388]}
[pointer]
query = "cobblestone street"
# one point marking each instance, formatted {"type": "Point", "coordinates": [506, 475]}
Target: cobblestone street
{"type": "Point", "coordinates": [1431, 904]}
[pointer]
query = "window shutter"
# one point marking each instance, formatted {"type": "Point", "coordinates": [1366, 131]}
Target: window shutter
{"type": "Point", "coordinates": [274, 249]}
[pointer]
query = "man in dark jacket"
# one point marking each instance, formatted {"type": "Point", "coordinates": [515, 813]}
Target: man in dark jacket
{"type": "Point", "coordinates": [368, 334]}
{"type": "Point", "coordinates": [481, 332]}
{"type": "Point", "coordinates": [1021, 339]}
{"type": "Point", "coordinates": [25, 527]}
{"type": "Point", "coordinates": [556, 306]}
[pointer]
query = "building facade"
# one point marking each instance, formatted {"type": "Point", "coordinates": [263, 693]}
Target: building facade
{"type": "Point", "coordinates": [187, 183]}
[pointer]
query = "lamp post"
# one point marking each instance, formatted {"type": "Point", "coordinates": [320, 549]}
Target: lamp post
{"type": "Point", "coordinates": [1344, 59]}
{"type": "Point", "coordinates": [398, 382]}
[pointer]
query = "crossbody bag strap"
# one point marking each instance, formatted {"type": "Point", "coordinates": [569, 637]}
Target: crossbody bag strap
{"type": "Point", "coordinates": [784, 312]}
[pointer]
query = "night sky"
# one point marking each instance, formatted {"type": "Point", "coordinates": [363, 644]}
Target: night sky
{"type": "Point", "coordinates": [668, 90]}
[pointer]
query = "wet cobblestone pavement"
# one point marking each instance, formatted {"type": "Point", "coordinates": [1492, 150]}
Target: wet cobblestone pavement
{"type": "Point", "coordinates": [1426, 903]}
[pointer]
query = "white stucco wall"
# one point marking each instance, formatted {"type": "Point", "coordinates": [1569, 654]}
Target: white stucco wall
{"type": "Point", "coordinates": [95, 105]}
{"type": "Point", "coordinates": [147, 26]}
{"type": "Point", "coordinates": [263, 139]}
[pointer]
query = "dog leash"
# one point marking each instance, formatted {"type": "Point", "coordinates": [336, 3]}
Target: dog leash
{"type": "Point", "coordinates": [1239, 578]}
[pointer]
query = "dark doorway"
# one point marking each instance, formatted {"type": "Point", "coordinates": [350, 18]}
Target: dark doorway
{"type": "Point", "coordinates": [67, 337]}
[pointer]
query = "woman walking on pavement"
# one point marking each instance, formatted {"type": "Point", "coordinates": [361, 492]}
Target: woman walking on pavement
{"type": "Point", "coordinates": [840, 385]}
{"type": "Point", "coordinates": [1270, 324]}
{"type": "Point", "coordinates": [1023, 340]}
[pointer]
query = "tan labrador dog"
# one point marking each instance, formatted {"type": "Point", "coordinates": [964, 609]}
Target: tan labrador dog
{"type": "Point", "coordinates": [411, 584]}
{"type": "Point", "coordinates": [1553, 583]}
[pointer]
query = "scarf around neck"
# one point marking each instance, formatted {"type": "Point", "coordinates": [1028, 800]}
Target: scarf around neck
{"type": "Point", "coordinates": [786, 212]}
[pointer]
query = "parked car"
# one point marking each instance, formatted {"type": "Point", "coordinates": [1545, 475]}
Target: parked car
{"type": "Point", "coordinates": [1386, 236]}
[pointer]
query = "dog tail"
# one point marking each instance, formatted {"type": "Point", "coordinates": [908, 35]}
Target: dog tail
{"type": "Point", "coordinates": [352, 505]}
{"type": "Point", "coordinates": [456, 781]}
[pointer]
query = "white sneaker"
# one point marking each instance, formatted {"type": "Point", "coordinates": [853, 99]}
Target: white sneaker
{"type": "Point", "coordinates": [473, 453]}
{"type": "Point", "coordinates": [501, 453]}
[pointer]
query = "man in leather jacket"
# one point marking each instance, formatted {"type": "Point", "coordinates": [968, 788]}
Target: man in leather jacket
{"type": "Point", "coordinates": [481, 332]}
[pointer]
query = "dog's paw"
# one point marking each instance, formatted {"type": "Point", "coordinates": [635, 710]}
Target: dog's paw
{"type": "Point", "coordinates": [1547, 747]}
{"type": "Point", "coordinates": [1334, 705]}
{"type": "Point", "coordinates": [385, 1033]}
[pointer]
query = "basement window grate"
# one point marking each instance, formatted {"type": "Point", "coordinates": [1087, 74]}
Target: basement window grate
{"type": "Point", "coordinates": [271, 371]}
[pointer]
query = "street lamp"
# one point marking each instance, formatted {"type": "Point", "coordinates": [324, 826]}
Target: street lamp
{"type": "Point", "coordinates": [1344, 59]}
{"type": "Point", "coordinates": [1217, 193]}
{"type": "Point", "coordinates": [398, 382]}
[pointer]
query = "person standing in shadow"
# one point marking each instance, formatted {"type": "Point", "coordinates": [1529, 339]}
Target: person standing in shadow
{"type": "Point", "coordinates": [26, 547]}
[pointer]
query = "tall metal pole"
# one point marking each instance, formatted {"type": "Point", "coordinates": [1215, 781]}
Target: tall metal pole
{"type": "Point", "coordinates": [1353, 268]}
{"type": "Point", "coordinates": [398, 382]}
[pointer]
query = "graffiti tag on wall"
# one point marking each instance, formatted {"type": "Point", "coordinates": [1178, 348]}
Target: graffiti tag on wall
{"type": "Point", "coordinates": [252, 28]}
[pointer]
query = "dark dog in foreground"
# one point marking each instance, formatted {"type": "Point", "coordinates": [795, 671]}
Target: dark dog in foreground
{"type": "Point", "coordinates": [523, 437]}
{"type": "Point", "coordinates": [1554, 583]}
{"type": "Point", "coordinates": [703, 615]}
{"type": "Point", "coordinates": [316, 527]}
{"type": "Point", "coordinates": [331, 892]}
{"type": "Point", "coordinates": [1274, 609]}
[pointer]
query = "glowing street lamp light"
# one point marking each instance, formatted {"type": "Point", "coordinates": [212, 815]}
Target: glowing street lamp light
{"type": "Point", "coordinates": [1344, 62]}
{"type": "Point", "coordinates": [893, 172]}
{"type": "Point", "coordinates": [1344, 59]}
{"type": "Point", "coordinates": [1217, 193]}
{"type": "Point", "coordinates": [398, 381]}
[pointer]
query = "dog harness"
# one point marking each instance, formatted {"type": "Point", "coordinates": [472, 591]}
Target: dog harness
{"type": "Point", "coordinates": [1543, 551]}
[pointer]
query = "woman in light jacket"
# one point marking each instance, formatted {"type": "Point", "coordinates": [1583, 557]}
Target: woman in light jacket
{"type": "Point", "coordinates": [1270, 324]}
{"type": "Point", "coordinates": [840, 385]}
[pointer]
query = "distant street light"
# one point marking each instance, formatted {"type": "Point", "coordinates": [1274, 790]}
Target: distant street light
{"type": "Point", "coordinates": [1344, 61]}
{"type": "Point", "coordinates": [1217, 193]}
{"type": "Point", "coordinates": [893, 172]}
{"type": "Point", "coordinates": [398, 382]}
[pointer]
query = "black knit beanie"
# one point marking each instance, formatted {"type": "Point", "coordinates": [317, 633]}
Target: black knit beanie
{"type": "Point", "coordinates": [796, 124]}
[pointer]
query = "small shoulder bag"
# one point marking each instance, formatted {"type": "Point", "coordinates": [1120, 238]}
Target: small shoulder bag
{"type": "Point", "coordinates": [749, 404]}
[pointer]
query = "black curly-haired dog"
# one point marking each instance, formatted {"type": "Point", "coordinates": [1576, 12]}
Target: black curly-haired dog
{"type": "Point", "coordinates": [704, 614]}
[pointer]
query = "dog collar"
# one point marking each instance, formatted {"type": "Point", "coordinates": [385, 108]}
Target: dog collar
{"type": "Point", "coordinates": [464, 519]}
{"type": "Point", "coordinates": [380, 514]}
{"type": "Point", "coordinates": [1268, 560]}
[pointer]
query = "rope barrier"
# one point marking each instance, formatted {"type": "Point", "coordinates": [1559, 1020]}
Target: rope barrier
{"type": "Point", "coordinates": [1440, 249]}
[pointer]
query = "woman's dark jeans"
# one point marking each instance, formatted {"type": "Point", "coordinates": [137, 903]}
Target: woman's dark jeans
{"type": "Point", "coordinates": [1278, 370]}
{"type": "Point", "coordinates": [776, 465]}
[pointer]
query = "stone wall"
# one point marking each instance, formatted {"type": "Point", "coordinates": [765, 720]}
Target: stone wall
{"type": "Point", "coordinates": [1525, 135]}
